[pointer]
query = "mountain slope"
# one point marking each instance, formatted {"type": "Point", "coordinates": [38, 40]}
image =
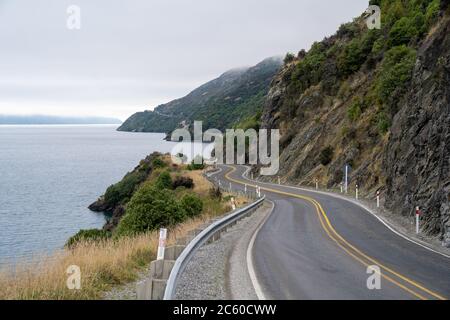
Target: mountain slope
{"type": "Point", "coordinates": [234, 96]}
{"type": "Point", "coordinates": [377, 100]}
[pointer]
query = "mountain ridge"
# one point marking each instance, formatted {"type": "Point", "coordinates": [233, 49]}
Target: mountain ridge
{"type": "Point", "coordinates": [233, 96]}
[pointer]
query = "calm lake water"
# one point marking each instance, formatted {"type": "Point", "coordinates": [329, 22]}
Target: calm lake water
{"type": "Point", "coordinates": [50, 174]}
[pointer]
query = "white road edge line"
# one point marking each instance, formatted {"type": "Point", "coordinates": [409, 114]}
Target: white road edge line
{"type": "Point", "coordinates": [250, 263]}
{"type": "Point", "coordinates": [385, 223]}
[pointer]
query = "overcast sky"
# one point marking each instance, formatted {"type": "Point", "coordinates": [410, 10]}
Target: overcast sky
{"type": "Point", "coordinates": [133, 55]}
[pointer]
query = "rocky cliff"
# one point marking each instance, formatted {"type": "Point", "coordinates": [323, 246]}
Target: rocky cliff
{"type": "Point", "coordinates": [377, 100]}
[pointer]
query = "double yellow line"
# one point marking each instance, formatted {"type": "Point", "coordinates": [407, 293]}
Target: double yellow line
{"type": "Point", "coordinates": [387, 273]}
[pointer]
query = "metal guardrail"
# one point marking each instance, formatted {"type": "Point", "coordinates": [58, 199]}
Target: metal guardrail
{"type": "Point", "coordinates": [199, 240]}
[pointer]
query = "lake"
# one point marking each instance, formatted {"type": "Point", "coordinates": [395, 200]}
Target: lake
{"type": "Point", "coordinates": [50, 174]}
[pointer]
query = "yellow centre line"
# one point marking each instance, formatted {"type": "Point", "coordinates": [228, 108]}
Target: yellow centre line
{"type": "Point", "coordinates": [335, 236]}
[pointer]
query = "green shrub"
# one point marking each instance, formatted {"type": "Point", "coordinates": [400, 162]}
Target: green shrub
{"type": "Point", "coordinates": [87, 235]}
{"type": "Point", "coordinates": [150, 208]}
{"type": "Point", "coordinates": [432, 12]}
{"type": "Point", "coordinates": [355, 109]}
{"type": "Point", "coordinates": [396, 71]}
{"type": "Point", "coordinates": [355, 53]}
{"type": "Point", "coordinates": [289, 58]}
{"type": "Point", "coordinates": [158, 163]}
{"type": "Point", "coordinates": [326, 155]}
{"type": "Point", "coordinates": [402, 32]}
{"type": "Point", "coordinates": [122, 191]}
{"type": "Point", "coordinates": [164, 181]}
{"type": "Point", "coordinates": [192, 205]}
{"type": "Point", "coordinates": [383, 123]}
{"type": "Point", "coordinates": [309, 71]}
{"type": "Point", "coordinates": [196, 164]}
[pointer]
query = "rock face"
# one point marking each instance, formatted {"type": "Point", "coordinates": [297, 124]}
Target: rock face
{"type": "Point", "coordinates": [399, 145]}
{"type": "Point", "coordinates": [417, 157]}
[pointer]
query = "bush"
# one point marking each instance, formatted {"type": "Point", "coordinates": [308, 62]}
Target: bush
{"type": "Point", "coordinates": [402, 32]}
{"type": "Point", "coordinates": [87, 235]}
{"type": "Point", "coordinates": [326, 155]}
{"type": "Point", "coordinates": [158, 163]}
{"type": "Point", "coordinates": [121, 192]}
{"type": "Point", "coordinates": [383, 123]}
{"type": "Point", "coordinates": [150, 208]}
{"type": "Point", "coordinates": [396, 71]}
{"type": "Point", "coordinates": [196, 164]}
{"type": "Point", "coordinates": [432, 12]}
{"type": "Point", "coordinates": [355, 109]}
{"type": "Point", "coordinates": [355, 53]}
{"type": "Point", "coordinates": [215, 193]}
{"type": "Point", "coordinates": [309, 71]}
{"type": "Point", "coordinates": [164, 181]}
{"type": "Point", "coordinates": [289, 58]}
{"type": "Point", "coordinates": [185, 182]}
{"type": "Point", "coordinates": [192, 205]}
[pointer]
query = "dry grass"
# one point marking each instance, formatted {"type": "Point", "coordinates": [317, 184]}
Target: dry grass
{"type": "Point", "coordinates": [102, 266]}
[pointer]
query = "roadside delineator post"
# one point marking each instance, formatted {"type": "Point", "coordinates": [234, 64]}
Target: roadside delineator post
{"type": "Point", "coordinates": [245, 188]}
{"type": "Point", "coordinates": [162, 243]}
{"type": "Point", "coordinates": [346, 179]}
{"type": "Point", "coordinates": [378, 198]}
{"type": "Point", "coordinates": [233, 203]}
{"type": "Point", "coordinates": [317, 184]}
{"type": "Point", "coordinates": [342, 188]}
{"type": "Point", "coordinates": [279, 181]}
{"type": "Point", "coordinates": [252, 175]}
{"type": "Point", "coordinates": [356, 192]}
{"type": "Point", "coordinates": [418, 213]}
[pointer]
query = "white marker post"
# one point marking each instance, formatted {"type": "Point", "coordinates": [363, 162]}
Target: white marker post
{"type": "Point", "coordinates": [252, 175]}
{"type": "Point", "coordinates": [230, 188]}
{"type": "Point", "coordinates": [356, 192]}
{"type": "Point", "coordinates": [317, 184]}
{"type": "Point", "coordinates": [279, 181]}
{"type": "Point", "coordinates": [378, 199]}
{"type": "Point", "coordinates": [346, 179]}
{"type": "Point", "coordinates": [162, 243]}
{"type": "Point", "coordinates": [417, 219]}
{"type": "Point", "coordinates": [233, 204]}
{"type": "Point", "coordinates": [245, 188]}
{"type": "Point", "coordinates": [342, 188]}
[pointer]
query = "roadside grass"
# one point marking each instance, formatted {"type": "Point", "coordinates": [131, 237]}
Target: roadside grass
{"type": "Point", "coordinates": [103, 265]}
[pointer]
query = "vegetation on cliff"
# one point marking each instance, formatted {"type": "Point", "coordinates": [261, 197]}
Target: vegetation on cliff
{"type": "Point", "coordinates": [234, 96]}
{"type": "Point", "coordinates": [352, 90]}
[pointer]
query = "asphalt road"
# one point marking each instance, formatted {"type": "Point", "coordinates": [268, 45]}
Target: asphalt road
{"type": "Point", "coordinates": [315, 246]}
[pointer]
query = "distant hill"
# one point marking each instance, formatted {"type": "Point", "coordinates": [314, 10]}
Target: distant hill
{"type": "Point", "coordinates": [42, 119]}
{"type": "Point", "coordinates": [234, 96]}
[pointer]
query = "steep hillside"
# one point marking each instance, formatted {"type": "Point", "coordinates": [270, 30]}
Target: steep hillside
{"type": "Point", "coordinates": [377, 100]}
{"type": "Point", "coordinates": [235, 95]}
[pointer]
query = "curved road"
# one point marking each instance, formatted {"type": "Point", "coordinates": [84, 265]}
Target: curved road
{"type": "Point", "coordinates": [315, 246]}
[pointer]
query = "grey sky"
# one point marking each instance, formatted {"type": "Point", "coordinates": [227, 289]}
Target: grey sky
{"type": "Point", "coordinates": [133, 55]}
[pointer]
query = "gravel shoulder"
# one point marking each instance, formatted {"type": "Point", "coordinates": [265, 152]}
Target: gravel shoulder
{"type": "Point", "coordinates": [219, 271]}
